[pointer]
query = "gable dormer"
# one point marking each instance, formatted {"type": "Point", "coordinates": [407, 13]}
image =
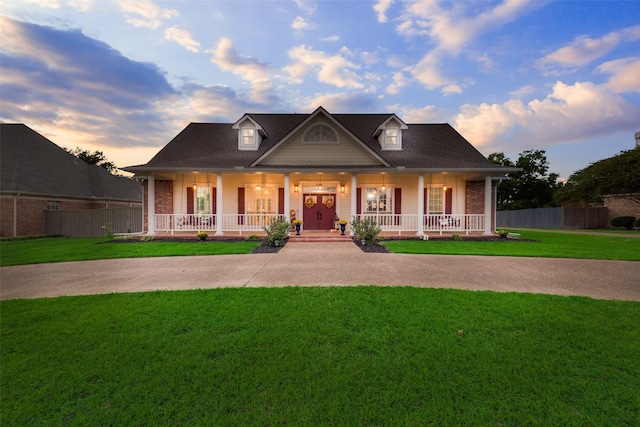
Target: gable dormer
{"type": "Point", "coordinates": [250, 133]}
{"type": "Point", "coordinates": [389, 133]}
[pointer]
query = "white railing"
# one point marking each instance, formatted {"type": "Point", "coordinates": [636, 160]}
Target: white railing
{"type": "Point", "coordinates": [431, 223]}
{"type": "Point", "coordinates": [257, 222]}
{"type": "Point", "coordinates": [231, 222]}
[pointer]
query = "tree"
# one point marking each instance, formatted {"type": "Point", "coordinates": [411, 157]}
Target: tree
{"type": "Point", "coordinates": [619, 174]}
{"type": "Point", "coordinates": [531, 187]}
{"type": "Point", "coordinates": [96, 158]}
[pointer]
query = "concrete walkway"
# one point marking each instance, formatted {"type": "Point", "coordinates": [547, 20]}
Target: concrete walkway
{"type": "Point", "coordinates": [326, 264]}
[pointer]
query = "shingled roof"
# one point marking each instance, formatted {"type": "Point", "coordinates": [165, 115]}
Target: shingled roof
{"type": "Point", "coordinates": [30, 164]}
{"type": "Point", "coordinates": [211, 146]}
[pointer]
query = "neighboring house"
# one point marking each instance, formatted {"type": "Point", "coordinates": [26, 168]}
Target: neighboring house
{"type": "Point", "coordinates": [36, 175]}
{"type": "Point", "coordinates": [236, 177]}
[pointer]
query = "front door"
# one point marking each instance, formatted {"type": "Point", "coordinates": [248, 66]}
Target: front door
{"type": "Point", "coordinates": [319, 211]}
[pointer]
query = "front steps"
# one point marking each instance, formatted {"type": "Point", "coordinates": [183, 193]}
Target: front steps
{"type": "Point", "coordinates": [318, 236]}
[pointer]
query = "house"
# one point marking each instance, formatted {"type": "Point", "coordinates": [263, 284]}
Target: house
{"type": "Point", "coordinates": [37, 176]}
{"type": "Point", "coordinates": [232, 178]}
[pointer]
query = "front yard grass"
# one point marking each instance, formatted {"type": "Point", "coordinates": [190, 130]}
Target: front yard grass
{"type": "Point", "coordinates": [534, 244]}
{"type": "Point", "coordinates": [20, 252]}
{"type": "Point", "coordinates": [320, 356]}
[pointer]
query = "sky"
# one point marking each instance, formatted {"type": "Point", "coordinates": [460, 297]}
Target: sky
{"type": "Point", "coordinates": [126, 76]}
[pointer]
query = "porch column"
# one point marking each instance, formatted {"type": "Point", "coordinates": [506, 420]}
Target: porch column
{"type": "Point", "coordinates": [487, 206]}
{"type": "Point", "coordinates": [420, 231]}
{"type": "Point", "coordinates": [219, 204]}
{"type": "Point", "coordinates": [287, 196]}
{"type": "Point", "coordinates": [151, 205]}
{"type": "Point", "coordinates": [354, 199]}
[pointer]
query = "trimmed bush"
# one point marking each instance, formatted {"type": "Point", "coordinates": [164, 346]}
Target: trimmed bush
{"type": "Point", "coordinates": [365, 229]}
{"type": "Point", "coordinates": [277, 231]}
{"type": "Point", "coordinates": [623, 222]}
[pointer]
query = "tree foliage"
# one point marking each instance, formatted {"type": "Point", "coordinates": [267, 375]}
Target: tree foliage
{"type": "Point", "coordinates": [531, 187]}
{"type": "Point", "coordinates": [619, 174]}
{"type": "Point", "coordinates": [96, 158]}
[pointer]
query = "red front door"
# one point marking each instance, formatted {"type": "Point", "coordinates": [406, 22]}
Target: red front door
{"type": "Point", "coordinates": [319, 211]}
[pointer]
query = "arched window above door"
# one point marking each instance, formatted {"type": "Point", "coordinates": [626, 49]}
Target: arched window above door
{"type": "Point", "coordinates": [320, 134]}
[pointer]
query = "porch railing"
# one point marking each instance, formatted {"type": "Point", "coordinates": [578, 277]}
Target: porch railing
{"type": "Point", "coordinates": [431, 223]}
{"type": "Point", "coordinates": [257, 222]}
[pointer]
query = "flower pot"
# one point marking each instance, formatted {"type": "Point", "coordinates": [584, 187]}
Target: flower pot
{"type": "Point", "coordinates": [503, 236]}
{"type": "Point", "coordinates": [297, 229]}
{"type": "Point", "coordinates": [342, 227]}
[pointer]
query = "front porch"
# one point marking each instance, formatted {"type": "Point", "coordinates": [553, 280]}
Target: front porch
{"type": "Point", "coordinates": [247, 224]}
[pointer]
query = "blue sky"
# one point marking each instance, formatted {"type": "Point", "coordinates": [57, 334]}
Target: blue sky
{"type": "Point", "coordinates": [125, 76]}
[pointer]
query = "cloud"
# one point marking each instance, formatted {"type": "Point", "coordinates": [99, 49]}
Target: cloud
{"type": "Point", "coordinates": [249, 69]}
{"type": "Point", "coordinates": [335, 70]}
{"type": "Point", "coordinates": [584, 50]}
{"type": "Point", "coordinates": [625, 74]}
{"type": "Point", "coordinates": [299, 24]}
{"type": "Point", "coordinates": [381, 8]}
{"type": "Point", "coordinates": [73, 85]}
{"type": "Point", "coordinates": [342, 103]}
{"type": "Point", "coordinates": [427, 114]}
{"type": "Point", "coordinates": [583, 110]}
{"type": "Point", "coordinates": [145, 13]}
{"type": "Point", "coordinates": [451, 89]}
{"type": "Point", "coordinates": [333, 38]}
{"type": "Point", "coordinates": [183, 38]}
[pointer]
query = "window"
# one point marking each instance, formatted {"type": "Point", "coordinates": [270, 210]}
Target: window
{"type": "Point", "coordinates": [436, 201]}
{"type": "Point", "coordinates": [203, 200]}
{"type": "Point", "coordinates": [378, 201]}
{"type": "Point", "coordinates": [248, 137]}
{"type": "Point", "coordinates": [263, 200]}
{"type": "Point", "coordinates": [53, 205]}
{"type": "Point", "coordinates": [391, 137]}
{"type": "Point", "coordinates": [320, 134]}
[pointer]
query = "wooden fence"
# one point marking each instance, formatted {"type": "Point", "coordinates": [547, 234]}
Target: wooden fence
{"type": "Point", "coordinates": [590, 217]}
{"type": "Point", "coordinates": [93, 223]}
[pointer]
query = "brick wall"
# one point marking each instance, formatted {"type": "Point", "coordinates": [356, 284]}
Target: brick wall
{"type": "Point", "coordinates": [163, 198]}
{"type": "Point", "coordinates": [474, 198]}
{"type": "Point", "coordinates": [622, 205]}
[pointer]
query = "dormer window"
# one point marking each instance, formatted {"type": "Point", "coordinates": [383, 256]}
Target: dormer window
{"type": "Point", "coordinates": [250, 133]}
{"type": "Point", "coordinates": [320, 134]}
{"type": "Point", "coordinates": [389, 133]}
{"type": "Point", "coordinates": [248, 137]}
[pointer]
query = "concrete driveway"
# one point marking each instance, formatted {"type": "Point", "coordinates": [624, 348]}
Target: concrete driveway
{"type": "Point", "coordinates": [326, 264]}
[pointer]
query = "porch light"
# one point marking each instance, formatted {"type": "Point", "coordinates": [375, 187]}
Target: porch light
{"type": "Point", "coordinates": [342, 188]}
{"type": "Point", "coordinates": [296, 188]}
{"type": "Point", "coordinates": [384, 187]}
{"type": "Point", "coordinates": [258, 187]}
{"type": "Point", "coordinates": [444, 187]}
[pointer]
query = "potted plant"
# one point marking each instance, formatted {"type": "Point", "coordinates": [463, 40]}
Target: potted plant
{"type": "Point", "coordinates": [503, 234]}
{"type": "Point", "coordinates": [343, 225]}
{"type": "Point", "coordinates": [202, 235]}
{"type": "Point", "coordinates": [297, 223]}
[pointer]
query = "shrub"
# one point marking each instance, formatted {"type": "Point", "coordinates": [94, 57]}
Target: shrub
{"type": "Point", "coordinates": [623, 221]}
{"type": "Point", "coordinates": [365, 229]}
{"type": "Point", "coordinates": [253, 238]}
{"type": "Point", "coordinates": [456, 238]}
{"type": "Point", "coordinates": [636, 223]}
{"type": "Point", "coordinates": [202, 235]}
{"type": "Point", "coordinates": [277, 231]}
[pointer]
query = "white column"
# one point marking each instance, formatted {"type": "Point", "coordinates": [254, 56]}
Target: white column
{"type": "Point", "coordinates": [219, 204]}
{"type": "Point", "coordinates": [287, 196]}
{"type": "Point", "coordinates": [420, 231]}
{"type": "Point", "coordinates": [354, 199]}
{"type": "Point", "coordinates": [487, 206]}
{"type": "Point", "coordinates": [151, 205]}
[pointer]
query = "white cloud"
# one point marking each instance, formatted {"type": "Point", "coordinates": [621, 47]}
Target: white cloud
{"type": "Point", "coordinates": [584, 50]}
{"type": "Point", "coordinates": [427, 114]}
{"type": "Point", "coordinates": [249, 69]}
{"type": "Point", "coordinates": [145, 13]}
{"type": "Point", "coordinates": [381, 8]}
{"type": "Point", "coordinates": [341, 103]}
{"type": "Point", "coordinates": [523, 91]}
{"type": "Point", "coordinates": [183, 38]}
{"type": "Point", "coordinates": [451, 89]}
{"type": "Point", "coordinates": [333, 38]}
{"type": "Point", "coordinates": [299, 24]}
{"type": "Point", "coordinates": [625, 74]}
{"type": "Point", "coordinates": [569, 113]}
{"type": "Point", "coordinates": [335, 70]}
{"type": "Point", "coordinates": [48, 4]}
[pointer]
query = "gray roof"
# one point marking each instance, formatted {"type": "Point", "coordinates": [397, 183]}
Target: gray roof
{"type": "Point", "coordinates": [31, 164]}
{"type": "Point", "coordinates": [210, 146]}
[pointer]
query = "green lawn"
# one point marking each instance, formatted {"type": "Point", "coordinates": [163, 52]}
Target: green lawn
{"type": "Point", "coordinates": [536, 244]}
{"type": "Point", "coordinates": [357, 356]}
{"type": "Point", "coordinates": [19, 252]}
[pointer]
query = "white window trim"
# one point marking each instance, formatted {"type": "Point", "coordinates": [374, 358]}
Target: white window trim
{"type": "Point", "coordinates": [306, 141]}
